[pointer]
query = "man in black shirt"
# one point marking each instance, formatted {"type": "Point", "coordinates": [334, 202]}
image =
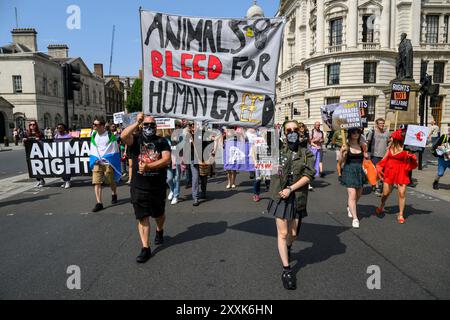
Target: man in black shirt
{"type": "Point", "coordinates": [151, 156]}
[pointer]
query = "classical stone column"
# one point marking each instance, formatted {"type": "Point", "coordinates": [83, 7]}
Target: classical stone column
{"type": "Point", "coordinates": [352, 24]}
{"type": "Point", "coordinates": [415, 22]}
{"type": "Point", "coordinates": [320, 27]}
{"type": "Point", "coordinates": [385, 24]}
{"type": "Point", "coordinates": [393, 40]}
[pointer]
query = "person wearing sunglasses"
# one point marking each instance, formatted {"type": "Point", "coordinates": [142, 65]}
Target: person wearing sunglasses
{"type": "Point", "coordinates": [151, 155]}
{"type": "Point", "coordinates": [289, 193]}
{"type": "Point", "coordinates": [33, 133]}
{"type": "Point", "coordinates": [102, 169]}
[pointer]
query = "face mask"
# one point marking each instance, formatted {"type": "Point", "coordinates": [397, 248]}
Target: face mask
{"type": "Point", "coordinates": [148, 132]}
{"type": "Point", "coordinates": [292, 140]}
{"type": "Point", "coordinates": [292, 137]}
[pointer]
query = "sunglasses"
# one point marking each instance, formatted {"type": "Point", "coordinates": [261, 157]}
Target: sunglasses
{"type": "Point", "coordinates": [289, 130]}
{"type": "Point", "coordinates": [32, 124]}
{"type": "Point", "coordinates": [149, 124]}
{"type": "Point", "coordinates": [96, 124]}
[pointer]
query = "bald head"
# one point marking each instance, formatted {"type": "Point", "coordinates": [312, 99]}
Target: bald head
{"type": "Point", "coordinates": [148, 119]}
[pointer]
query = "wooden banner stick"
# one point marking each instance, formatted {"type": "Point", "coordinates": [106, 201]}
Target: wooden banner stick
{"type": "Point", "coordinates": [396, 120]}
{"type": "Point", "coordinates": [344, 140]}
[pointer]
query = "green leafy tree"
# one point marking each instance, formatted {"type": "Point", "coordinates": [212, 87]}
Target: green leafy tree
{"type": "Point", "coordinates": [134, 100]}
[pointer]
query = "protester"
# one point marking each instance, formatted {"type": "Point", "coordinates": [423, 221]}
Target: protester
{"type": "Point", "coordinates": [230, 136]}
{"type": "Point", "coordinates": [394, 169]}
{"type": "Point", "coordinates": [104, 161]}
{"type": "Point", "coordinates": [187, 171]}
{"type": "Point", "coordinates": [441, 149]}
{"type": "Point", "coordinates": [16, 136]}
{"type": "Point", "coordinates": [173, 172]}
{"type": "Point", "coordinates": [316, 140]}
{"type": "Point", "coordinates": [63, 134]}
{"type": "Point", "coordinates": [289, 194]}
{"type": "Point", "coordinates": [351, 173]}
{"type": "Point", "coordinates": [256, 152]}
{"type": "Point", "coordinates": [330, 140]}
{"type": "Point", "coordinates": [198, 165]}
{"type": "Point", "coordinates": [48, 133]}
{"type": "Point", "coordinates": [377, 144]}
{"type": "Point", "coordinates": [434, 132]}
{"type": "Point", "coordinates": [33, 133]}
{"type": "Point", "coordinates": [337, 142]}
{"type": "Point", "coordinates": [151, 156]}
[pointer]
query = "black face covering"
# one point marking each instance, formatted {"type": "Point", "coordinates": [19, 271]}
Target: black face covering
{"type": "Point", "coordinates": [148, 133]}
{"type": "Point", "coordinates": [292, 140]}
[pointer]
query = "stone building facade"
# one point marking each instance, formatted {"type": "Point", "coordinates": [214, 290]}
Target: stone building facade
{"type": "Point", "coordinates": [339, 50]}
{"type": "Point", "coordinates": [32, 82]}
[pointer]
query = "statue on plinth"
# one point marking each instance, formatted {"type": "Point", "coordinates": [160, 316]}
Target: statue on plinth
{"type": "Point", "coordinates": [404, 66]}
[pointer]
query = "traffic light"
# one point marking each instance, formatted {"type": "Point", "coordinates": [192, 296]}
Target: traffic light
{"type": "Point", "coordinates": [73, 80]}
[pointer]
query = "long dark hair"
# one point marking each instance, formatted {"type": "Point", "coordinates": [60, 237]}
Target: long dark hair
{"type": "Point", "coordinates": [37, 131]}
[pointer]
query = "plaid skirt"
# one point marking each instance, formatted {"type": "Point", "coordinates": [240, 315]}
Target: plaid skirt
{"type": "Point", "coordinates": [285, 208]}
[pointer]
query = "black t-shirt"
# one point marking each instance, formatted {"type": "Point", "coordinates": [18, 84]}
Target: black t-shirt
{"type": "Point", "coordinates": [148, 152]}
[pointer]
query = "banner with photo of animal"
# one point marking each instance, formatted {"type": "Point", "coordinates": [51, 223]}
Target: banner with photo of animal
{"type": "Point", "coordinates": [211, 69]}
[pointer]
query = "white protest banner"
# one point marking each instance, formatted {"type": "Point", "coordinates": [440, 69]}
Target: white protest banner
{"type": "Point", "coordinates": [165, 123]}
{"type": "Point", "coordinates": [211, 69]}
{"type": "Point", "coordinates": [416, 136]}
{"type": "Point", "coordinates": [117, 117]}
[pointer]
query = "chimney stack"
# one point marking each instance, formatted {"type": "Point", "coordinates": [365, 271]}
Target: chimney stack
{"type": "Point", "coordinates": [25, 37]}
{"type": "Point", "coordinates": [98, 69]}
{"type": "Point", "coordinates": [58, 50]}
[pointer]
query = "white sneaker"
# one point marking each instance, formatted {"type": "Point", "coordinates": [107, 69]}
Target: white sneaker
{"type": "Point", "coordinates": [40, 184]}
{"type": "Point", "coordinates": [174, 201]}
{"type": "Point", "coordinates": [310, 188]}
{"type": "Point", "coordinates": [63, 185]}
{"type": "Point", "coordinates": [67, 185]}
{"type": "Point", "coordinates": [349, 213]}
{"type": "Point", "coordinates": [355, 223]}
{"type": "Point", "coordinates": [170, 197]}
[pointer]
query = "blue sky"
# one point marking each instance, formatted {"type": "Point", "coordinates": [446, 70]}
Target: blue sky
{"type": "Point", "coordinates": [93, 40]}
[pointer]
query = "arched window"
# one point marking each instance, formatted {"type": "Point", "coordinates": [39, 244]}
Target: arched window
{"type": "Point", "coordinates": [58, 119]}
{"type": "Point", "coordinates": [47, 120]}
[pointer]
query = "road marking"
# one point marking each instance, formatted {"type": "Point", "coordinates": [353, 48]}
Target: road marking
{"type": "Point", "coordinates": [48, 214]}
{"type": "Point", "coordinates": [10, 214]}
{"type": "Point", "coordinates": [84, 213]}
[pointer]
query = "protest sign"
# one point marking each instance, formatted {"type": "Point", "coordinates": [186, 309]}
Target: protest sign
{"type": "Point", "coordinates": [117, 117]}
{"type": "Point", "coordinates": [343, 116]}
{"type": "Point", "coordinates": [399, 97]}
{"type": "Point", "coordinates": [85, 133]}
{"type": "Point", "coordinates": [165, 123]}
{"type": "Point", "coordinates": [211, 69]}
{"type": "Point", "coordinates": [57, 158]}
{"type": "Point", "coordinates": [128, 119]}
{"type": "Point", "coordinates": [416, 137]}
{"type": "Point", "coordinates": [237, 156]}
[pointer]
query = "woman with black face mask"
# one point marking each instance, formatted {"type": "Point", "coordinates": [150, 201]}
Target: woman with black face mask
{"type": "Point", "coordinates": [289, 194]}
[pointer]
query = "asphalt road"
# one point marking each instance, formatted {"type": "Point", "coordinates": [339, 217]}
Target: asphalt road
{"type": "Point", "coordinates": [224, 249]}
{"type": "Point", "coordinates": [12, 163]}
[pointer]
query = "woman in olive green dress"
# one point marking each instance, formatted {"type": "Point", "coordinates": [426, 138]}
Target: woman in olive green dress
{"type": "Point", "coordinates": [289, 193]}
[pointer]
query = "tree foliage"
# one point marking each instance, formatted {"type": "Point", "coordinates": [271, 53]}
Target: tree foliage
{"type": "Point", "coordinates": [134, 100]}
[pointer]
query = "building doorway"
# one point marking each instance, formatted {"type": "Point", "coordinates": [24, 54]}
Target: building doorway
{"type": "Point", "coordinates": [3, 128]}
